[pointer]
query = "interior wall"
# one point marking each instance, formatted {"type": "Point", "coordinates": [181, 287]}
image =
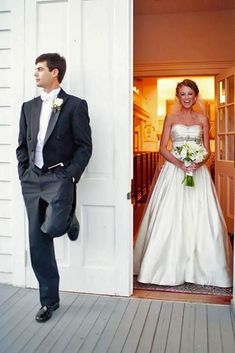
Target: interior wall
{"type": "Point", "coordinates": [197, 36]}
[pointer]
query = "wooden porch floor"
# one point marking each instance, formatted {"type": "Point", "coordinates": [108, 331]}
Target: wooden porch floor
{"type": "Point", "coordinates": [100, 324]}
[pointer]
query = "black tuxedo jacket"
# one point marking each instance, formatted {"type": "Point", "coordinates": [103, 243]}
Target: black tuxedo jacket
{"type": "Point", "coordinates": [68, 137]}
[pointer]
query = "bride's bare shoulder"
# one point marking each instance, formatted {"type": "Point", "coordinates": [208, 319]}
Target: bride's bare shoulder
{"type": "Point", "coordinates": [203, 119]}
{"type": "Point", "coordinates": [171, 119]}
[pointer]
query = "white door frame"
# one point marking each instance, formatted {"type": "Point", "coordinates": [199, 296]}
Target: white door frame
{"type": "Point", "coordinates": [179, 68]}
{"type": "Point", "coordinates": [223, 181]}
{"type": "Point", "coordinates": [225, 169]}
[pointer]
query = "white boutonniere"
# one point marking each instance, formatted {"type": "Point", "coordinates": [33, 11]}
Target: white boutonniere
{"type": "Point", "coordinates": [56, 104]}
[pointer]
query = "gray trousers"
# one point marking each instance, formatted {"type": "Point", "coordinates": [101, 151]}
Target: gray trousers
{"type": "Point", "coordinates": [49, 200]}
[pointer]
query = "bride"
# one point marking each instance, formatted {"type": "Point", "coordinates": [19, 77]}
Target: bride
{"type": "Point", "coordinates": [183, 236]}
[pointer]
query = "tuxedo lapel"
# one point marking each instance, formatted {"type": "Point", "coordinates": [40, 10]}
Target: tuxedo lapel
{"type": "Point", "coordinates": [54, 116]}
{"type": "Point", "coordinates": [35, 118]}
{"type": "Point", "coordinates": [53, 119]}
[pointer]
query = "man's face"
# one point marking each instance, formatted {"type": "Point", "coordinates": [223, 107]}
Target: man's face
{"type": "Point", "coordinates": [45, 78]}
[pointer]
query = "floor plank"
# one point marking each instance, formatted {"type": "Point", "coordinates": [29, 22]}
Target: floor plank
{"type": "Point", "coordinates": [174, 335]}
{"type": "Point", "coordinates": [201, 329]}
{"type": "Point", "coordinates": [161, 335]}
{"type": "Point", "coordinates": [80, 310]}
{"type": "Point", "coordinates": [226, 329]}
{"type": "Point", "coordinates": [232, 314]}
{"type": "Point", "coordinates": [108, 334]}
{"type": "Point", "coordinates": [105, 324]}
{"type": "Point", "coordinates": [30, 330]}
{"type": "Point", "coordinates": [81, 334]}
{"type": "Point", "coordinates": [16, 330]}
{"type": "Point", "coordinates": [17, 313]}
{"type": "Point", "coordinates": [43, 330]}
{"type": "Point", "coordinates": [6, 292]}
{"type": "Point", "coordinates": [214, 337]}
{"type": "Point", "coordinates": [12, 300]}
{"type": "Point", "coordinates": [62, 325]}
{"type": "Point", "coordinates": [146, 339]}
{"type": "Point", "coordinates": [188, 329]}
{"type": "Point", "coordinates": [124, 327]}
{"type": "Point", "coordinates": [131, 343]}
{"type": "Point", "coordinates": [99, 326]}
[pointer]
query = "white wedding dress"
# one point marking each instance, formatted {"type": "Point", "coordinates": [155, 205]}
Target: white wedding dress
{"type": "Point", "coordinates": [183, 236]}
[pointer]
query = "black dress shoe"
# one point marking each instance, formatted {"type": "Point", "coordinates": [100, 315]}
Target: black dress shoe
{"type": "Point", "coordinates": [73, 230]}
{"type": "Point", "coordinates": [45, 312]}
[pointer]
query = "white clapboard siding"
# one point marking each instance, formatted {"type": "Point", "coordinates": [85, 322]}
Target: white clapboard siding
{"type": "Point", "coordinates": [5, 245]}
{"type": "Point", "coordinates": [5, 112]}
{"type": "Point", "coordinates": [5, 134]}
{"type": "Point", "coordinates": [5, 190]}
{"type": "Point", "coordinates": [5, 227]}
{"type": "Point", "coordinates": [6, 240]}
{"type": "Point", "coordinates": [5, 263]}
{"type": "Point", "coordinates": [5, 172]}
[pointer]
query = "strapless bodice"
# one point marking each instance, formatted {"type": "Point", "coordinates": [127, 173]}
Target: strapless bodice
{"type": "Point", "coordinates": [181, 133]}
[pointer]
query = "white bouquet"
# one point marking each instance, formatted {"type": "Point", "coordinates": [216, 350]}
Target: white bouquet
{"type": "Point", "coordinates": [190, 152]}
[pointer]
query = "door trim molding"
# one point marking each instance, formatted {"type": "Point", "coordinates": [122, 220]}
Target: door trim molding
{"type": "Point", "coordinates": [176, 68]}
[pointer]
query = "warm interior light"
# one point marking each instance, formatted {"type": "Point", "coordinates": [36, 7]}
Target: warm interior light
{"type": "Point", "coordinates": [166, 90]}
{"type": "Point", "coordinates": [136, 90]}
{"type": "Point", "coordinates": [222, 92]}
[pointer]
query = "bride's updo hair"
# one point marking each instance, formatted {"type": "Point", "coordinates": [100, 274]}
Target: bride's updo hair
{"type": "Point", "coordinates": [188, 83]}
{"type": "Point", "coordinates": [199, 105]}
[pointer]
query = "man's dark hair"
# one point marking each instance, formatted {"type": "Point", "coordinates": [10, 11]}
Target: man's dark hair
{"type": "Point", "coordinates": [54, 61]}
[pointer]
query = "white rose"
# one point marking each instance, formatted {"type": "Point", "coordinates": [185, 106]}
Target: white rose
{"type": "Point", "coordinates": [58, 102]}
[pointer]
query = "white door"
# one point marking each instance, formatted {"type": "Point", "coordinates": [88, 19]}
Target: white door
{"type": "Point", "coordinates": [225, 140]}
{"type": "Point", "coordinates": [95, 38]}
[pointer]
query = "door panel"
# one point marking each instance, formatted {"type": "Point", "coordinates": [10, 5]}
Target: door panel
{"type": "Point", "coordinates": [95, 37]}
{"type": "Point", "coordinates": [225, 140]}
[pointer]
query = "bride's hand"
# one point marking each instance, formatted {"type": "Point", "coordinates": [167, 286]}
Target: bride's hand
{"type": "Point", "coordinates": [183, 167]}
{"type": "Point", "coordinates": [193, 167]}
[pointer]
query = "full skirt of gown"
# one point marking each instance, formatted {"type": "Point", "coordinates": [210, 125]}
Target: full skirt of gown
{"type": "Point", "coordinates": [183, 236]}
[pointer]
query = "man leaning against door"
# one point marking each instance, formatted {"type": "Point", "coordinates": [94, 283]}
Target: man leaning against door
{"type": "Point", "coordinates": [54, 148]}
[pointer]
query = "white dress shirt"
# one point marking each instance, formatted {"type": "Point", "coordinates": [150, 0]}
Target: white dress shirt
{"type": "Point", "coordinates": [45, 115]}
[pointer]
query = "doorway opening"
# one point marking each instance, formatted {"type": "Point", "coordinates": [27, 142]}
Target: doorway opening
{"type": "Point", "coordinates": [153, 99]}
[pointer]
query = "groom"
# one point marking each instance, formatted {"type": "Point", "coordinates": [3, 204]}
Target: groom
{"type": "Point", "coordinates": [54, 148]}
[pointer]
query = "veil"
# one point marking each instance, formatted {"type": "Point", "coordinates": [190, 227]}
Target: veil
{"type": "Point", "coordinates": [198, 107]}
